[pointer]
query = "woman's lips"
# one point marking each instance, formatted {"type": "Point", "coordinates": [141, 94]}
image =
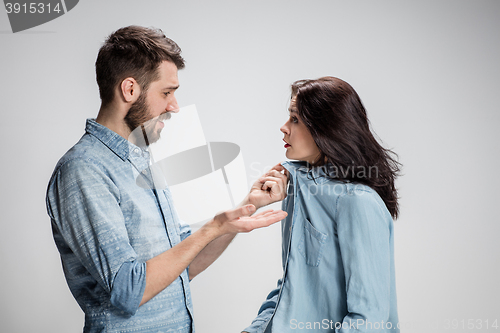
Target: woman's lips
{"type": "Point", "coordinates": [286, 144]}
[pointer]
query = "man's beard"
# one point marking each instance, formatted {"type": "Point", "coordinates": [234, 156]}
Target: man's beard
{"type": "Point", "coordinates": [142, 126]}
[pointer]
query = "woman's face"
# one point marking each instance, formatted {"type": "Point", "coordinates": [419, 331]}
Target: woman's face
{"type": "Point", "coordinates": [299, 143]}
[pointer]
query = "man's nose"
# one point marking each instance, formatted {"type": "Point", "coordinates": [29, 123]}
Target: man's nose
{"type": "Point", "coordinates": [172, 105]}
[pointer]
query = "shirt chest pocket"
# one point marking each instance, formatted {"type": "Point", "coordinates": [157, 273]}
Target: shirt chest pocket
{"type": "Point", "coordinates": [311, 243]}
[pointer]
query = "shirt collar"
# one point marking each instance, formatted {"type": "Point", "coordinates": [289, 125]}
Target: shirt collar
{"type": "Point", "coordinates": [305, 168]}
{"type": "Point", "coordinates": [110, 139]}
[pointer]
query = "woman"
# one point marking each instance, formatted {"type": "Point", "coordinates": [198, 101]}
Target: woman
{"type": "Point", "coordinates": [338, 246]}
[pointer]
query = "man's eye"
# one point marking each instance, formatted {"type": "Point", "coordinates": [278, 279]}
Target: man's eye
{"type": "Point", "coordinates": [167, 93]}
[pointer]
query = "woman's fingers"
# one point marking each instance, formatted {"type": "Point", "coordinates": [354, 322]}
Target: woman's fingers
{"type": "Point", "coordinates": [277, 180]}
{"type": "Point", "coordinates": [278, 174]}
{"type": "Point", "coordinates": [275, 173]}
{"type": "Point", "coordinates": [278, 167]}
{"type": "Point", "coordinates": [275, 185]}
{"type": "Point", "coordinates": [268, 184]}
{"type": "Point", "coordinates": [281, 169]}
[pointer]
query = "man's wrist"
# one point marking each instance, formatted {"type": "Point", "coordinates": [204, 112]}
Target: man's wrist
{"type": "Point", "coordinates": [211, 230]}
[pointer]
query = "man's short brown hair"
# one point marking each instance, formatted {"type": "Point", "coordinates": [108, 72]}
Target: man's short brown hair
{"type": "Point", "coordinates": [135, 52]}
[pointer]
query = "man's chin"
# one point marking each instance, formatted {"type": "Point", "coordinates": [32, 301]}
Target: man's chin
{"type": "Point", "coordinates": [154, 136]}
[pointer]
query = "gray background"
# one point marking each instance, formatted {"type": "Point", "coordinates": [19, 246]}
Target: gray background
{"type": "Point", "coordinates": [427, 71]}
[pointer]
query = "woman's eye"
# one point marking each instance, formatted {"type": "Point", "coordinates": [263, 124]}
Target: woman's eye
{"type": "Point", "coordinates": [294, 120]}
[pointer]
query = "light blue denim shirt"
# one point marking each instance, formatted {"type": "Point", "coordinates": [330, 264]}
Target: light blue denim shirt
{"type": "Point", "coordinates": [338, 259]}
{"type": "Point", "coordinates": [106, 227]}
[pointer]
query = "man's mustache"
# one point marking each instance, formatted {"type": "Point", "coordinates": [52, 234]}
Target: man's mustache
{"type": "Point", "coordinates": [165, 116]}
{"type": "Point", "coordinates": [162, 117]}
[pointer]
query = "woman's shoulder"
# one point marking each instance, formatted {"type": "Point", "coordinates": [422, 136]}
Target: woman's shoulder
{"type": "Point", "coordinates": [323, 185]}
{"type": "Point", "coordinates": [359, 199]}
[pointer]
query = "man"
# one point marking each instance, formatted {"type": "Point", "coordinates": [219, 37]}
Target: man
{"type": "Point", "coordinates": [127, 258]}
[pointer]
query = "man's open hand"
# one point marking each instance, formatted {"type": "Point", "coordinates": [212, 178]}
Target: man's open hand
{"type": "Point", "coordinates": [238, 220]}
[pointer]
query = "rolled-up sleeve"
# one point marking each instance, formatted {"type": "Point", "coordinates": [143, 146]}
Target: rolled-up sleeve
{"type": "Point", "coordinates": [84, 205]}
{"type": "Point", "coordinates": [129, 286]}
{"type": "Point", "coordinates": [266, 311]}
{"type": "Point", "coordinates": [364, 241]}
{"type": "Point", "coordinates": [185, 230]}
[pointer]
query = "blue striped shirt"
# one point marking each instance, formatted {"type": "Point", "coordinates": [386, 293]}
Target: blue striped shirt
{"type": "Point", "coordinates": [106, 225]}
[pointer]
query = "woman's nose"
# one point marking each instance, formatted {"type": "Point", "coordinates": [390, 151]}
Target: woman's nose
{"type": "Point", "coordinates": [284, 128]}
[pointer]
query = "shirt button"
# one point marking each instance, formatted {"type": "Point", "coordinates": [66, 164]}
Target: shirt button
{"type": "Point", "coordinates": [136, 151]}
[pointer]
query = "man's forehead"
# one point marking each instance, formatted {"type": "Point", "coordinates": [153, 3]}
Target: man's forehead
{"type": "Point", "coordinates": [168, 78]}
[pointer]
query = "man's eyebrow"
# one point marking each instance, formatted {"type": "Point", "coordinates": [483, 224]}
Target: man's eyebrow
{"type": "Point", "coordinates": [171, 88]}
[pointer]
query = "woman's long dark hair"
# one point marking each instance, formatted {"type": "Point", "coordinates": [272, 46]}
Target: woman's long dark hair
{"type": "Point", "coordinates": [336, 118]}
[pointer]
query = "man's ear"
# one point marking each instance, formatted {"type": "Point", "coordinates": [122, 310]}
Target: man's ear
{"type": "Point", "coordinates": [130, 90]}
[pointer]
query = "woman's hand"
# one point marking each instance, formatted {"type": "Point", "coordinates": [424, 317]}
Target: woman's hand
{"type": "Point", "coordinates": [269, 188]}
